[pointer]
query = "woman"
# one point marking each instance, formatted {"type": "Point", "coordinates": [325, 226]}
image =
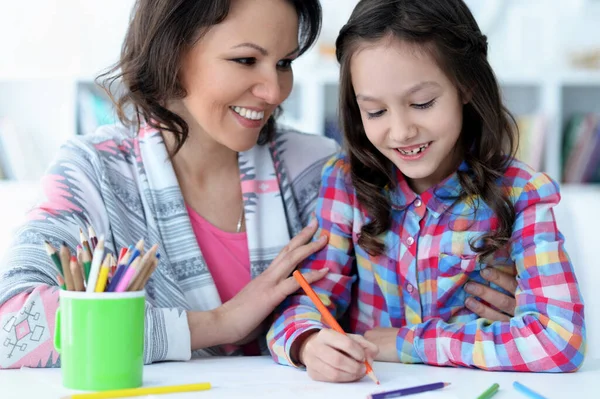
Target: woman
{"type": "Point", "coordinates": [203, 81]}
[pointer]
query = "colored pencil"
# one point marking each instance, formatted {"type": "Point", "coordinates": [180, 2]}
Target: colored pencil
{"type": "Point", "coordinates": [77, 275]}
{"type": "Point", "coordinates": [127, 276]}
{"type": "Point", "coordinates": [124, 393]}
{"type": "Point", "coordinates": [53, 254]}
{"type": "Point", "coordinates": [95, 267]}
{"type": "Point", "coordinates": [491, 391]}
{"type": "Point", "coordinates": [65, 259]}
{"type": "Point", "coordinates": [120, 270]}
{"type": "Point", "coordinates": [527, 391]}
{"type": "Point", "coordinates": [84, 242]}
{"type": "Point", "coordinates": [148, 273]}
{"type": "Point", "coordinates": [409, 391]}
{"type": "Point", "coordinates": [145, 263]}
{"type": "Point", "coordinates": [93, 237]}
{"type": "Point", "coordinates": [329, 319]}
{"type": "Point", "coordinates": [103, 274]}
{"type": "Point", "coordinates": [86, 261]}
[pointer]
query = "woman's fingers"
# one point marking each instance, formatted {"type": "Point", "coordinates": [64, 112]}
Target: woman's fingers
{"type": "Point", "coordinates": [288, 263]}
{"type": "Point", "coordinates": [485, 311]}
{"type": "Point", "coordinates": [290, 285]}
{"type": "Point", "coordinates": [495, 298]}
{"type": "Point", "coordinates": [501, 279]}
{"type": "Point", "coordinates": [300, 239]}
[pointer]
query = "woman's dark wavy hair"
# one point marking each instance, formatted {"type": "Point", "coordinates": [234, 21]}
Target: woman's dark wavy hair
{"type": "Point", "coordinates": [160, 33]}
{"type": "Point", "coordinates": [447, 30]}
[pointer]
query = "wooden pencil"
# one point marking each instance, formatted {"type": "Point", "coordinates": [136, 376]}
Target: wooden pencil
{"type": "Point", "coordinates": [95, 266]}
{"type": "Point", "coordinates": [77, 275]}
{"type": "Point", "coordinates": [86, 261]}
{"type": "Point", "coordinates": [103, 275]}
{"type": "Point", "coordinates": [146, 263]}
{"type": "Point", "coordinates": [65, 259]}
{"type": "Point", "coordinates": [93, 237]}
{"type": "Point", "coordinates": [53, 254]}
{"type": "Point", "coordinates": [329, 319]}
{"type": "Point", "coordinates": [84, 242]}
{"type": "Point", "coordinates": [148, 274]}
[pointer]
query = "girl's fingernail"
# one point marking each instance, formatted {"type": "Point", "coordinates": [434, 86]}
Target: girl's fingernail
{"type": "Point", "coordinates": [322, 238]}
{"type": "Point", "coordinates": [313, 223]}
{"type": "Point", "coordinates": [324, 270]}
{"type": "Point", "coordinates": [486, 273]}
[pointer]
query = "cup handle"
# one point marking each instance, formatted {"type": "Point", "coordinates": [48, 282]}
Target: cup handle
{"type": "Point", "coordinates": [57, 329]}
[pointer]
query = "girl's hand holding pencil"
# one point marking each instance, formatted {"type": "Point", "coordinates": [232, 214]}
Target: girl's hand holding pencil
{"type": "Point", "coordinates": [93, 271]}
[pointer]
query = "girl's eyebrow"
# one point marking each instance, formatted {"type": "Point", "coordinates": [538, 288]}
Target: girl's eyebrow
{"type": "Point", "coordinates": [412, 90]}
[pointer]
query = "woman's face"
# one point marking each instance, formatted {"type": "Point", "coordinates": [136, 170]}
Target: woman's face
{"type": "Point", "coordinates": [238, 73]}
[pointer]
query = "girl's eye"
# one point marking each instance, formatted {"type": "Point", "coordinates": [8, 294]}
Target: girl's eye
{"type": "Point", "coordinates": [373, 115]}
{"type": "Point", "coordinates": [285, 64]}
{"type": "Point", "coordinates": [245, 61]}
{"type": "Point", "coordinates": [426, 105]}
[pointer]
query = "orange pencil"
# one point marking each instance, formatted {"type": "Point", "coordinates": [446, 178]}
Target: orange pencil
{"type": "Point", "coordinates": [329, 319]}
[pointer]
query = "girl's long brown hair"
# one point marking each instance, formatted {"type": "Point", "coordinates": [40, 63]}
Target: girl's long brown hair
{"type": "Point", "coordinates": [448, 31]}
{"type": "Point", "coordinates": [159, 34]}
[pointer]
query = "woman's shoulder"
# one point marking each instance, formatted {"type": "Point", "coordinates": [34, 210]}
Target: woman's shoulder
{"type": "Point", "coordinates": [300, 151]}
{"type": "Point", "coordinates": [312, 145]}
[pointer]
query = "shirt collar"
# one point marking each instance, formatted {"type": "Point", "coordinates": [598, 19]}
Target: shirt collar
{"type": "Point", "coordinates": [437, 199]}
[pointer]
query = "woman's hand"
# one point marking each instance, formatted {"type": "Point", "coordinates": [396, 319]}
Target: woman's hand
{"type": "Point", "coordinates": [333, 357]}
{"type": "Point", "coordinates": [505, 304]}
{"type": "Point", "coordinates": [246, 311]}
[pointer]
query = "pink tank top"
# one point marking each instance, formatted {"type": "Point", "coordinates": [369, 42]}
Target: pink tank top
{"type": "Point", "coordinates": [226, 255]}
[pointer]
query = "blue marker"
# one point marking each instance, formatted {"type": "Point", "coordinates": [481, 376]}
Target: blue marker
{"type": "Point", "coordinates": [528, 392]}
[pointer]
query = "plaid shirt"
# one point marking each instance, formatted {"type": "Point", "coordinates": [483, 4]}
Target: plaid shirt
{"type": "Point", "coordinates": [417, 284]}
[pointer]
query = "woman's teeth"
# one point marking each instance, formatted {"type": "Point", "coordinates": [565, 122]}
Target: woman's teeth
{"type": "Point", "coordinates": [414, 151]}
{"type": "Point", "coordinates": [249, 114]}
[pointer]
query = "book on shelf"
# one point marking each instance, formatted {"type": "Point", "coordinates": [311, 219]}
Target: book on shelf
{"type": "Point", "coordinates": [581, 149]}
{"type": "Point", "coordinates": [22, 157]}
{"type": "Point", "coordinates": [532, 136]}
{"type": "Point", "coordinates": [94, 109]}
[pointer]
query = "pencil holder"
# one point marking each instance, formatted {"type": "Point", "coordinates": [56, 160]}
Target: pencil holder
{"type": "Point", "coordinates": [100, 338]}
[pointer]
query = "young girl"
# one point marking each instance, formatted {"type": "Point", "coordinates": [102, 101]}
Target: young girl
{"type": "Point", "coordinates": [427, 197]}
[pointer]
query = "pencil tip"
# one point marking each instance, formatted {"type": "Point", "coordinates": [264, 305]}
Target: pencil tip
{"type": "Point", "coordinates": [372, 376]}
{"type": "Point", "coordinates": [446, 384]}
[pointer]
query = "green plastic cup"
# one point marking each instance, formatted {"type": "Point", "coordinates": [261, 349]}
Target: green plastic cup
{"type": "Point", "coordinates": [100, 338]}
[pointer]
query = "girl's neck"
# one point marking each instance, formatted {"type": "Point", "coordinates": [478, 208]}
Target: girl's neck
{"type": "Point", "coordinates": [445, 169]}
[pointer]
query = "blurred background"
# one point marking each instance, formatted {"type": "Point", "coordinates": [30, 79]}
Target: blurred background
{"type": "Point", "coordinates": [546, 54]}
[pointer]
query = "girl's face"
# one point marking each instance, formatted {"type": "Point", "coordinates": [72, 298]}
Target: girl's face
{"type": "Point", "coordinates": [239, 72]}
{"type": "Point", "coordinates": [411, 111]}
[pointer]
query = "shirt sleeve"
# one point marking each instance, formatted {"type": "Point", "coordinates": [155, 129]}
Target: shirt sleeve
{"type": "Point", "coordinates": [297, 314]}
{"type": "Point", "coordinates": [29, 294]}
{"type": "Point", "coordinates": [547, 333]}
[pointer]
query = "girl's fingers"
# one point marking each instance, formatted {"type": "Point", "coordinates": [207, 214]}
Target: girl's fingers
{"type": "Point", "coordinates": [484, 311]}
{"type": "Point", "coordinates": [495, 298]}
{"type": "Point", "coordinates": [504, 280]}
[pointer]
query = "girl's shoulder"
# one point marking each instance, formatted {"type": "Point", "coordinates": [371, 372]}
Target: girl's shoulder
{"type": "Point", "coordinates": [526, 184]}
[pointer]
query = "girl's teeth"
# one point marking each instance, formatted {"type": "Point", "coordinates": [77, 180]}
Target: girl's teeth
{"type": "Point", "coordinates": [414, 151]}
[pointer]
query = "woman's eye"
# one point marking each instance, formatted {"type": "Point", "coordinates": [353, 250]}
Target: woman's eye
{"type": "Point", "coordinates": [245, 61]}
{"type": "Point", "coordinates": [285, 64]}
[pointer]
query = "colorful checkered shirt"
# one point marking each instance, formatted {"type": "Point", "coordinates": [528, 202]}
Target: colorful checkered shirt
{"type": "Point", "coordinates": [417, 284]}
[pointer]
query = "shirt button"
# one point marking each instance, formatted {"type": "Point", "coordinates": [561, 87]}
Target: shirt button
{"type": "Point", "coordinates": [409, 288]}
{"type": "Point", "coordinates": [410, 241]}
{"type": "Point", "coordinates": [418, 203]}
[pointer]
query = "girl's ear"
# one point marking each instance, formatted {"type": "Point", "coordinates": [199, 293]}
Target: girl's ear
{"type": "Point", "coordinates": [466, 96]}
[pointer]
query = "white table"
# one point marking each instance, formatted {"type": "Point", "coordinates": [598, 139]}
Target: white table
{"type": "Point", "coordinates": [259, 377]}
